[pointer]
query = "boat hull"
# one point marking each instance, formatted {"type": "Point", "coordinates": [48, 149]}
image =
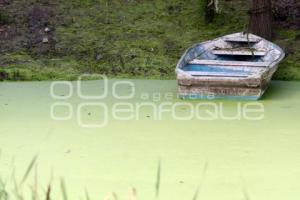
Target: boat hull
{"type": "Point", "coordinates": [251, 88]}
{"type": "Point", "coordinates": [202, 75]}
{"type": "Point", "coordinates": [219, 92]}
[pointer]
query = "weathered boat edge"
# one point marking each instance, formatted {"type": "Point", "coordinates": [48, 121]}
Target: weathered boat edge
{"type": "Point", "coordinates": [246, 94]}
{"type": "Point", "coordinates": [204, 97]}
{"type": "Point", "coordinates": [190, 52]}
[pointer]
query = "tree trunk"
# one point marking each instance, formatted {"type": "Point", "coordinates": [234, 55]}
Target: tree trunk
{"type": "Point", "coordinates": [261, 18]}
{"type": "Point", "coordinates": [209, 10]}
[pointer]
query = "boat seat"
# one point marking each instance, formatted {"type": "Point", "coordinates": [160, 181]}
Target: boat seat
{"type": "Point", "coordinates": [229, 63]}
{"type": "Point", "coordinates": [239, 52]}
{"type": "Point", "coordinates": [218, 74]}
{"type": "Point", "coordinates": [242, 39]}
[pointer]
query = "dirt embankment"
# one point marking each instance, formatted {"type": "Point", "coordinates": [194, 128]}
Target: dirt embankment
{"type": "Point", "coordinates": [57, 39]}
{"type": "Point", "coordinates": [287, 13]}
{"type": "Point", "coordinates": [27, 26]}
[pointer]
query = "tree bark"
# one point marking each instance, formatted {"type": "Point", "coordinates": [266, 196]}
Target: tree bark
{"type": "Point", "coordinates": [209, 10]}
{"type": "Point", "coordinates": [261, 18]}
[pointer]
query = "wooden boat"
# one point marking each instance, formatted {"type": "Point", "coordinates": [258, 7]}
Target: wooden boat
{"type": "Point", "coordinates": [236, 66]}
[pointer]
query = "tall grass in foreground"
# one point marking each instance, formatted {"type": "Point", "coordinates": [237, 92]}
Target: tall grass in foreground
{"type": "Point", "coordinates": [17, 193]}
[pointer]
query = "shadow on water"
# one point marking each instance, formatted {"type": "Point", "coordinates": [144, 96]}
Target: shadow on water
{"type": "Point", "coordinates": [282, 90]}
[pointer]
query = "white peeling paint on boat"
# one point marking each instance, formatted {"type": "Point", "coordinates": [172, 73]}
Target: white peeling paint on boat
{"type": "Point", "coordinates": [246, 53]}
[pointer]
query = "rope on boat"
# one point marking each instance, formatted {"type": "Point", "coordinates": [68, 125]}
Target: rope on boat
{"type": "Point", "coordinates": [254, 11]}
{"type": "Point", "coordinates": [247, 28]}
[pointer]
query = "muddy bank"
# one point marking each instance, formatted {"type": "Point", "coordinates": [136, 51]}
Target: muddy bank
{"type": "Point", "coordinates": [51, 40]}
{"type": "Point", "coordinates": [287, 13]}
{"type": "Point", "coordinates": [27, 26]}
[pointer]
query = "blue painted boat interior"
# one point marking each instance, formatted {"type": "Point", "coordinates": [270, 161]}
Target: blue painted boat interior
{"type": "Point", "coordinates": [200, 52]}
{"type": "Point", "coordinates": [209, 68]}
{"type": "Point", "coordinates": [239, 58]}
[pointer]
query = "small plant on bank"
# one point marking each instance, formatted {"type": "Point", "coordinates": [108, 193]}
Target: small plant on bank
{"type": "Point", "coordinates": [4, 18]}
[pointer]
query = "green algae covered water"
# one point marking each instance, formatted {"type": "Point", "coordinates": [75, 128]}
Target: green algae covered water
{"type": "Point", "coordinates": [229, 150]}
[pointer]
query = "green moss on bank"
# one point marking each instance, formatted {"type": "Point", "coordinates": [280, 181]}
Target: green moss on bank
{"type": "Point", "coordinates": [132, 39]}
{"type": "Point", "coordinates": [290, 68]}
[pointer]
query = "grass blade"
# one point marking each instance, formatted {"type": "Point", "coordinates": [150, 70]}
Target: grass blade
{"type": "Point", "coordinates": [48, 193]}
{"type": "Point", "coordinates": [115, 196]}
{"type": "Point", "coordinates": [157, 184]}
{"type": "Point", "coordinates": [87, 196]}
{"type": "Point", "coordinates": [132, 193]}
{"type": "Point", "coordinates": [35, 186]}
{"type": "Point", "coordinates": [195, 197]}
{"type": "Point", "coordinates": [29, 169]}
{"type": "Point", "coordinates": [246, 193]}
{"type": "Point", "coordinates": [3, 193]}
{"type": "Point", "coordinates": [63, 189]}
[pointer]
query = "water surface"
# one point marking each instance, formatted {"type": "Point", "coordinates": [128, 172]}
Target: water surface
{"type": "Point", "coordinates": [260, 158]}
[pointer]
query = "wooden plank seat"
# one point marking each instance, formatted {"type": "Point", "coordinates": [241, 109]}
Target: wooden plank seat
{"type": "Point", "coordinates": [218, 74]}
{"type": "Point", "coordinates": [239, 52]}
{"type": "Point", "coordinates": [242, 39]}
{"type": "Point", "coordinates": [229, 63]}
